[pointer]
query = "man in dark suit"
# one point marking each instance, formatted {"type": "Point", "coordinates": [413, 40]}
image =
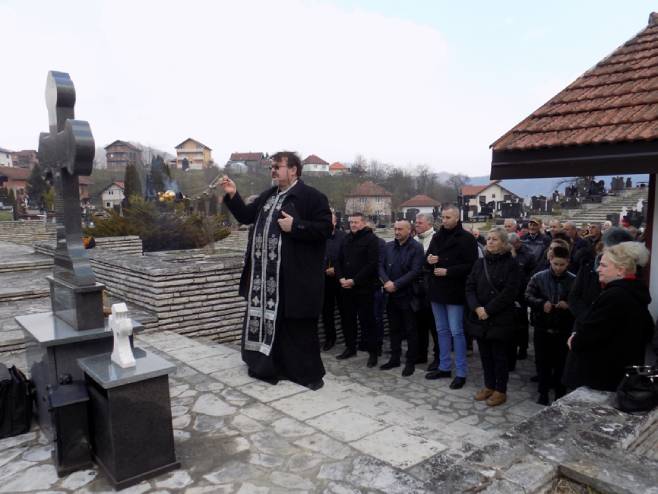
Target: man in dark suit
{"type": "Point", "coordinates": [401, 264]}
{"type": "Point", "coordinates": [283, 276]}
{"type": "Point", "coordinates": [356, 270]}
{"type": "Point", "coordinates": [332, 293]}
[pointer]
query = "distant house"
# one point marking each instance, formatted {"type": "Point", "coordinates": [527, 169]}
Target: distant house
{"type": "Point", "coordinates": [120, 154]}
{"type": "Point", "coordinates": [315, 164]}
{"type": "Point", "coordinates": [242, 162]}
{"type": "Point", "coordinates": [84, 183]}
{"type": "Point", "coordinates": [477, 197]}
{"type": "Point", "coordinates": [112, 195]}
{"type": "Point", "coordinates": [14, 178]}
{"type": "Point", "coordinates": [193, 155]}
{"type": "Point", "coordinates": [337, 169]}
{"type": "Point", "coordinates": [370, 199]}
{"type": "Point", "coordinates": [27, 158]}
{"type": "Point", "coordinates": [5, 157]}
{"type": "Point", "coordinates": [419, 204]}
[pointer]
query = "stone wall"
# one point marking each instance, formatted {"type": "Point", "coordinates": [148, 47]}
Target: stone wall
{"type": "Point", "coordinates": [25, 232]}
{"type": "Point", "coordinates": [130, 245]}
{"type": "Point", "coordinates": [190, 292]}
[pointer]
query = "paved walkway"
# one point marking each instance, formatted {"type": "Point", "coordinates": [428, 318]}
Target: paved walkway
{"type": "Point", "coordinates": [365, 431]}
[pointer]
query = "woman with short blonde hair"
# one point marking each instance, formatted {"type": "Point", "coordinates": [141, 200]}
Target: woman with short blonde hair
{"type": "Point", "coordinates": [613, 333]}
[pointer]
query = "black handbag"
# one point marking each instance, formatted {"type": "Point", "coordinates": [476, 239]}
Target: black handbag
{"type": "Point", "coordinates": [638, 390]}
{"type": "Point", "coordinates": [473, 325]}
{"type": "Point", "coordinates": [16, 396]}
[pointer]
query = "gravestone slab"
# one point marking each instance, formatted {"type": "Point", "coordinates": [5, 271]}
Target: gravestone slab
{"type": "Point", "coordinates": [132, 434]}
{"type": "Point", "coordinates": [52, 349]}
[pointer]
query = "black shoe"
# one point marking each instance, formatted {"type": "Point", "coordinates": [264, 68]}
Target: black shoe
{"type": "Point", "coordinates": [328, 344]}
{"type": "Point", "coordinates": [543, 399]}
{"type": "Point", "coordinates": [315, 385]}
{"type": "Point", "coordinates": [408, 370]}
{"type": "Point", "coordinates": [458, 383]}
{"type": "Point", "coordinates": [522, 355]}
{"type": "Point", "coordinates": [372, 360]}
{"type": "Point", "coordinates": [347, 353]}
{"type": "Point", "coordinates": [390, 365]}
{"type": "Point", "coordinates": [434, 365]}
{"type": "Point", "coordinates": [534, 379]}
{"type": "Point", "coordinates": [421, 360]}
{"type": "Point", "coordinates": [438, 374]}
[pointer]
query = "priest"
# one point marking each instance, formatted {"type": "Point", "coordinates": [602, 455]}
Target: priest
{"type": "Point", "coordinates": [283, 276]}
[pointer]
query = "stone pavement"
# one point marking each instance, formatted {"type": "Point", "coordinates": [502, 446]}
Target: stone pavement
{"type": "Point", "coordinates": [365, 431]}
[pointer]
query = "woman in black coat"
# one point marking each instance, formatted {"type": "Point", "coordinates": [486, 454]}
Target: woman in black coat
{"type": "Point", "coordinates": [614, 331]}
{"type": "Point", "coordinates": [491, 312]}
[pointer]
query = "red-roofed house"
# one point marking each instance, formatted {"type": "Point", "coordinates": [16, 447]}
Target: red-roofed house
{"type": "Point", "coordinates": [243, 162]}
{"type": "Point", "coordinates": [476, 196]}
{"type": "Point", "coordinates": [315, 164]}
{"type": "Point", "coordinates": [337, 169]}
{"type": "Point", "coordinates": [421, 204]}
{"type": "Point", "coordinates": [370, 199]}
{"type": "Point", "coordinates": [112, 196]}
{"type": "Point", "coordinates": [14, 178]}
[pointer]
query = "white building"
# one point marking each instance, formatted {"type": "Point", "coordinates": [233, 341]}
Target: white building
{"type": "Point", "coordinates": [419, 204]}
{"type": "Point", "coordinates": [477, 196]}
{"type": "Point", "coordinates": [5, 157]}
{"type": "Point", "coordinates": [315, 164]}
{"type": "Point", "coordinates": [112, 196]}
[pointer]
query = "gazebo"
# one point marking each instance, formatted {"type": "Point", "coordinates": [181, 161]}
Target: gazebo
{"type": "Point", "coordinates": [604, 123]}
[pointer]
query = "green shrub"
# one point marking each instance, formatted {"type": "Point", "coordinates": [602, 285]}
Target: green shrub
{"type": "Point", "coordinates": [161, 226]}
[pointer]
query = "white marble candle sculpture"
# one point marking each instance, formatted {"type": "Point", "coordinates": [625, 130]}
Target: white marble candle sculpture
{"type": "Point", "coordinates": [122, 328]}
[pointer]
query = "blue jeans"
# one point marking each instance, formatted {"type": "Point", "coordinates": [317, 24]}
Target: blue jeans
{"type": "Point", "coordinates": [450, 327]}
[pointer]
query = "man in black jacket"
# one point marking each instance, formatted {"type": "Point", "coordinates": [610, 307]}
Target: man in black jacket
{"type": "Point", "coordinates": [356, 270]}
{"type": "Point", "coordinates": [283, 276]}
{"type": "Point", "coordinates": [332, 293]}
{"type": "Point", "coordinates": [401, 265]}
{"type": "Point", "coordinates": [450, 257]}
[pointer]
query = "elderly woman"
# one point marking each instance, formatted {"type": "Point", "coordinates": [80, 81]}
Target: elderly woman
{"type": "Point", "coordinates": [491, 289]}
{"type": "Point", "coordinates": [614, 331]}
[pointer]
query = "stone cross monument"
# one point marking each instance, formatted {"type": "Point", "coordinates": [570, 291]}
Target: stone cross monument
{"type": "Point", "coordinates": [67, 152]}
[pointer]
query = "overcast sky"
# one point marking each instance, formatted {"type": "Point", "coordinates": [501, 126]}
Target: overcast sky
{"type": "Point", "coordinates": [404, 82]}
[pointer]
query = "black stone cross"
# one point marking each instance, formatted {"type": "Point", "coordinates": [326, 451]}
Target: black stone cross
{"type": "Point", "coordinates": [67, 152]}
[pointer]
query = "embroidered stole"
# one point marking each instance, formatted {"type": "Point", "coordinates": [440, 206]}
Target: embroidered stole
{"type": "Point", "coordinates": [263, 300]}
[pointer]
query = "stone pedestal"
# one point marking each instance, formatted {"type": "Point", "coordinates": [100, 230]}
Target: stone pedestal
{"type": "Point", "coordinates": [81, 307]}
{"type": "Point", "coordinates": [52, 349]}
{"type": "Point", "coordinates": [132, 434]}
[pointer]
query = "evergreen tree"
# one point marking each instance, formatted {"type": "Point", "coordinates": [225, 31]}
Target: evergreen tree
{"type": "Point", "coordinates": [132, 183]}
{"type": "Point", "coordinates": [160, 174]}
{"type": "Point", "coordinates": [11, 201]}
{"type": "Point", "coordinates": [37, 187]}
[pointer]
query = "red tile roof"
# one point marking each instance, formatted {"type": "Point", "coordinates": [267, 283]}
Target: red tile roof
{"type": "Point", "coordinates": [14, 172]}
{"type": "Point", "coordinates": [472, 190]}
{"type": "Point", "coordinates": [337, 166]}
{"type": "Point", "coordinates": [369, 189]}
{"type": "Point", "coordinates": [420, 201]}
{"type": "Point", "coordinates": [314, 160]}
{"type": "Point", "coordinates": [614, 102]}
{"type": "Point", "coordinates": [246, 156]}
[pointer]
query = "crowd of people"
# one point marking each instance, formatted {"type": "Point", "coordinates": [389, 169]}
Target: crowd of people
{"type": "Point", "coordinates": [582, 292]}
{"type": "Point", "coordinates": [558, 280]}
